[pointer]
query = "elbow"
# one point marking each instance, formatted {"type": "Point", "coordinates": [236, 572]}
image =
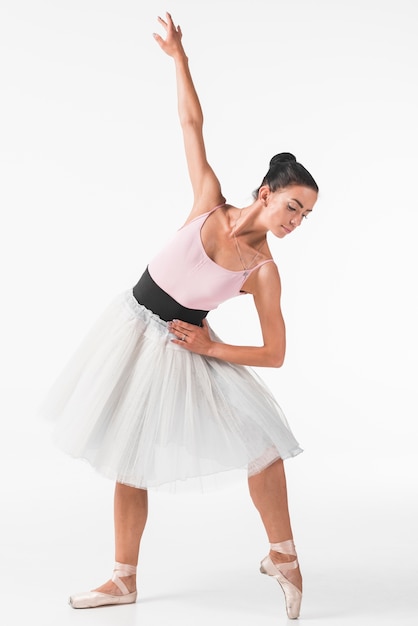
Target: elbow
{"type": "Point", "coordinates": [194, 121]}
{"type": "Point", "coordinates": [277, 362]}
{"type": "Point", "coordinates": [275, 359]}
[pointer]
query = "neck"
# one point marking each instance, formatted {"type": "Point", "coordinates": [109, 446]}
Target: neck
{"type": "Point", "coordinates": [246, 221]}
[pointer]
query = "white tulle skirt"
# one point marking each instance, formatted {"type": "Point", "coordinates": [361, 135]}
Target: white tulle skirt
{"type": "Point", "coordinates": [145, 412]}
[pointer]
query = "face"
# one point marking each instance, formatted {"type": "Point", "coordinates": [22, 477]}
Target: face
{"type": "Point", "coordinates": [287, 208]}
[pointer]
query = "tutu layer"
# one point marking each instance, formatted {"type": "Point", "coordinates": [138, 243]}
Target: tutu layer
{"type": "Point", "coordinates": [145, 412]}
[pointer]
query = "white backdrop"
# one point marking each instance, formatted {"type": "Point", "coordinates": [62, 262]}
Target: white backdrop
{"type": "Point", "coordinates": [93, 179]}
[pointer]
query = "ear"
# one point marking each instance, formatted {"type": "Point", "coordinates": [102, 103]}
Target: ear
{"type": "Point", "coordinates": [264, 194]}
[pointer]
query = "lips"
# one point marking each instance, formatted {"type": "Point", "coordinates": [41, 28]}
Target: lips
{"type": "Point", "coordinates": [287, 230]}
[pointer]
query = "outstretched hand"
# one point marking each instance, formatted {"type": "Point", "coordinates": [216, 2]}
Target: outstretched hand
{"type": "Point", "coordinates": [171, 45]}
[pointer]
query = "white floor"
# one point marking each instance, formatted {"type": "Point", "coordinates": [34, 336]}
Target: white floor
{"type": "Point", "coordinates": [354, 524]}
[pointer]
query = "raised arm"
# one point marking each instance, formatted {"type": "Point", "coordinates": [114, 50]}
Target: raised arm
{"type": "Point", "coordinates": [206, 187]}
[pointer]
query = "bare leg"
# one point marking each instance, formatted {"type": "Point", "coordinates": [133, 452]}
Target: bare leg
{"type": "Point", "coordinates": [130, 515]}
{"type": "Point", "coordinates": [269, 493]}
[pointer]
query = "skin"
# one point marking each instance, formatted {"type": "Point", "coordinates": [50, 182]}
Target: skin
{"type": "Point", "coordinates": [279, 212]}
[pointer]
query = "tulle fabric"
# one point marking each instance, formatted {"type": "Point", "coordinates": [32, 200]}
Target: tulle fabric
{"type": "Point", "coordinates": [147, 413]}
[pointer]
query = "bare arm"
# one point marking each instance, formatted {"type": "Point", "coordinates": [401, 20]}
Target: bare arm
{"type": "Point", "coordinates": [263, 284]}
{"type": "Point", "coordinates": [266, 290]}
{"type": "Point", "coordinates": [206, 187]}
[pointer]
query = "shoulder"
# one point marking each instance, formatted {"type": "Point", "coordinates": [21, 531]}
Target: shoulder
{"type": "Point", "coordinates": [203, 207]}
{"type": "Point", "coordinates": [265, 280]}
{"type": "Point", "coordinates": [267, 274]}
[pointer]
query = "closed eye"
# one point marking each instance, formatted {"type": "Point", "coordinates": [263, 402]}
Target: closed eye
{"type": "Point", "coordinates": [293, 208]}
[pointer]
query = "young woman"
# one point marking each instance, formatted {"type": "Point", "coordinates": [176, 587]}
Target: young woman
{"type": "Point", "coordinates": [153, 396]}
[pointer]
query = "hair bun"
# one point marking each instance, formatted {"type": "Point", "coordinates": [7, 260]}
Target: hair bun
{"type": "Point", "coordinates": [282, 157]}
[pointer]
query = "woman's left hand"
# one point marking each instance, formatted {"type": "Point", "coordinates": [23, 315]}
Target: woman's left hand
{"type": "Point", "coordinates": [191, 337]}
{"type": "Point", "coordinates": [172, 43]}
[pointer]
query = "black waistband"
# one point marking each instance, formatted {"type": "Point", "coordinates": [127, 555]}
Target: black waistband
{"type": "Point", "coordinates": [150, 295]}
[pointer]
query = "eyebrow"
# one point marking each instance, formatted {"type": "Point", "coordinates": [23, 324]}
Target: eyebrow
{"type": "Point", "coordinates": [301, 205]}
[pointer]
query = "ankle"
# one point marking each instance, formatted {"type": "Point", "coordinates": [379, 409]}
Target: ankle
{"type": "Point", "coordinates": [124, 577]}
{"type": "Point", "coordinates": [279, 557]}
{"type": "Point", "coordinates": [283, 552]}
{"type": "Point", "coordinates": [129, 581]}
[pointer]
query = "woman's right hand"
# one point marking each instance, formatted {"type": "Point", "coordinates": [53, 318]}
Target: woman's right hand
{"type": "Point", "coordinates": [171, 45]}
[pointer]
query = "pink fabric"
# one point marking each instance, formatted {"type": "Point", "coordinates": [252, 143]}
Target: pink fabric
{"type": "Point", "coordinates": [184, 270]}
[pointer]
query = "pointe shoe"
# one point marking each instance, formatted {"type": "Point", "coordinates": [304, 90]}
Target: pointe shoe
{"type": "Point", "coordinates": [293, 595]}
{"type": "Point", "coordinates": [93, 599]}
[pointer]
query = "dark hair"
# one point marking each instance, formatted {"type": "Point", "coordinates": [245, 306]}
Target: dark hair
{"type": "Point", "coordinates": [284, 171]}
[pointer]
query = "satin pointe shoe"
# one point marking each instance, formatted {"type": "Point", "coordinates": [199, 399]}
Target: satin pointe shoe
{"type": "Point", "coordinates": [93, 599]}
{"type": "Point", "coordinates": [293, 595]}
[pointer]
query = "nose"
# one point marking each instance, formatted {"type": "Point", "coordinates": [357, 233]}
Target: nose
{"type": "Point", "coordinates": [296, 220]}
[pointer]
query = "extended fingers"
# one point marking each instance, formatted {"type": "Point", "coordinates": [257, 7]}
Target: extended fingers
{"type": "Point", "coordinates": [169, 24]}
{"type": "Point", "coordinates": [170, 20]}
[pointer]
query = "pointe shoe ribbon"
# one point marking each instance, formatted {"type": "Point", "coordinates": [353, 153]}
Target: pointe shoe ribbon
{"type": "Point", "coordinates": [293, 595]}
{"type": "Point", "coordinates": [93, 599]}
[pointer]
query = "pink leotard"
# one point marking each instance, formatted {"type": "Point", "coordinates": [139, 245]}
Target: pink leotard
{"type": "Point", "coordinates": [184, 270]}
